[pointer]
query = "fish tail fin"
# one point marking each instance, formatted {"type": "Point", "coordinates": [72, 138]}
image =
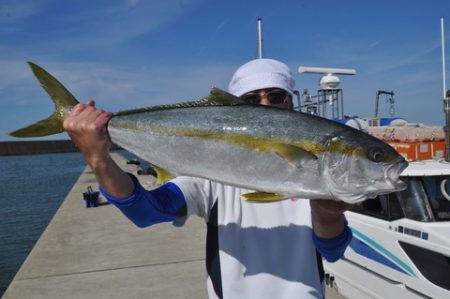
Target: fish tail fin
{"type": "Point", "coordinates": [61, 97]}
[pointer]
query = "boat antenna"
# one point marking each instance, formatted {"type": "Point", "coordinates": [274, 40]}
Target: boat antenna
{"type": "Point", "coordinates": [446, 97]}
{"type": "Point", "coordinates": [329, 79]}
{"type": "Point", "coordinates": [444, 85]}
{"type": "Point", "coordinates": [259, 46]}
{"type": "Point", "coordinates": [329, 91]}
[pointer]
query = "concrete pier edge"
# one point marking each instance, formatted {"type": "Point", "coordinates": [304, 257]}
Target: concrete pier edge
{"type": "Point", "coordinates": [98, 253]}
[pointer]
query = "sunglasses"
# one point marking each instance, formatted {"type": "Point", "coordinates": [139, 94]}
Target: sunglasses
{"type": "Point", "coordinates": [275, 96]}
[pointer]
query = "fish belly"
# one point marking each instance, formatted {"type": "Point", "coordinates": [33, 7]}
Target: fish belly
{"type": "Point", "coordinates": [223, 162]}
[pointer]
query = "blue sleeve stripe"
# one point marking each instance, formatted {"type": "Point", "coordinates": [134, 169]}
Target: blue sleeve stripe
{"type": "Point", "coordinates": [333, 249]}
{"type": "Point", "coordinates": [123, 201]}
{"type": "Point", "coordinates": [145, 208]}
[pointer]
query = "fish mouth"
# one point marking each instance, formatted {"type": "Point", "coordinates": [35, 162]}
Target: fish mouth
{"type": "Point", "coordinates": [393, 173]}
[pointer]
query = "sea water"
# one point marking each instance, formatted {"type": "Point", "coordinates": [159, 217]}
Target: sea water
{"type": "Point", "coordinates": [31, 190]}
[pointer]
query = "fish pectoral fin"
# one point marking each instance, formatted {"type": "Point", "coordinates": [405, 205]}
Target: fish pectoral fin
{"type": "Point", "coordinates": [295, 155]}
{"type": "Point", "coordinates": [162, 175]}
{"type": "Point", "coordinates": [262, 197]}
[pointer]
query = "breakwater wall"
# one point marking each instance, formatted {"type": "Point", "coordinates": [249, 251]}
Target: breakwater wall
{"type": "Point", "coordinates": [17, 148]}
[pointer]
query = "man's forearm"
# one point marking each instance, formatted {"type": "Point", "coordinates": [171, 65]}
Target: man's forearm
{"type": "Point", "coordinates": [328, 228]}
{"type": "Point", "coordinates": [112, 178]}
{"type": "Point", "coordinates": [86, 126]}
{"type": "Point", "coordinates": [328, 218]}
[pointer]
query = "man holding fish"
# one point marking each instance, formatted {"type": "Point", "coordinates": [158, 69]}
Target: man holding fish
{"type": "Point", "coordinates": [254, 250]}
{"type": "Point", "coordinates": [271, 183]}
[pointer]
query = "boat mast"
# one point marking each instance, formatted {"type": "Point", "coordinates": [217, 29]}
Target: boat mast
{"type": "Point", "coordinates": [446, 97]}
{"type": "Point", "coordinates": [259, 46]}
{"type": "Point", "coordinates": [444, 84]}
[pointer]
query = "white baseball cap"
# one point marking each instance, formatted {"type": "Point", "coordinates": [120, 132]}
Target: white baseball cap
{"type": "Point", "coordinates": [259, 74]}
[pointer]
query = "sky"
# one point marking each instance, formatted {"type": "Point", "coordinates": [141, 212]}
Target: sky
{"type": "Point", "coordinates": [134, 53]}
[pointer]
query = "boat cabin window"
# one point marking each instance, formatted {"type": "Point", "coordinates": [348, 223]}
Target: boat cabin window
{"type": "Point", "coordinates": [385, 206]}
{"type": "Point", "coordinates": [426, 199]}
{"type": "Point", "coordinates": [438, 191]}
{"type": "Point", "coordinates": [414, 201]}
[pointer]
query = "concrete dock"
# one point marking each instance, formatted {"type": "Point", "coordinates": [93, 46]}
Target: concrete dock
{"type": "Point", "coordinates": [98, 253]}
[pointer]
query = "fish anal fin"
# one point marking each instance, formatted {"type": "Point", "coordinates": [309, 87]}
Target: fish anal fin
{"type": "Point", "coordinates": [262, 197]}
{"type": "Point", "coordinates": [295, 155]}
{"type": "Point", "coordinates": [162, 175]}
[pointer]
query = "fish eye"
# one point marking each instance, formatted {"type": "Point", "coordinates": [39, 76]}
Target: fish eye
{"type": "Point", "coordinates": [375, 154]}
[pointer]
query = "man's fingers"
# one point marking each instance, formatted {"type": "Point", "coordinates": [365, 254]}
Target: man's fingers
{"type": "Point", "coordinates": [77, 109]}
{"type": "Point", "coordinates": [103, 118]}
{"type": "Point", "coordinates": [87, 118]}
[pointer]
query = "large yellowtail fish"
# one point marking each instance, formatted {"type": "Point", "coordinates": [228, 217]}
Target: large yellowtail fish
{"type": "Point", "coordinates": [279, 153]}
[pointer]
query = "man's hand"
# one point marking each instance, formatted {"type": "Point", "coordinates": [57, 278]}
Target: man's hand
{"type": "Point", "coordinates": [86, 126]}
{"type": "Point", "coordinates": [327, 217]}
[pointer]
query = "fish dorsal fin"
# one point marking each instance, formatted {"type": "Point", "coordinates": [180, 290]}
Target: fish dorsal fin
{"type": "Point", "coordinates": [219, 97]}
{"type": "Point", "coordinates": [216, 97]}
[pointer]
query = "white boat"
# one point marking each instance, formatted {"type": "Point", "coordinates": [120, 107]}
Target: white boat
{"type": "Point", "coordinates": [401, 241]}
